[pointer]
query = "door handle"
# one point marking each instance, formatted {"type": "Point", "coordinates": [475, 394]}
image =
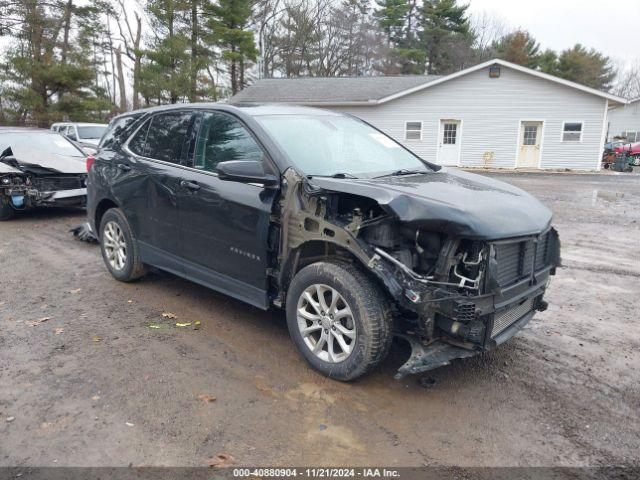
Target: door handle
{"type": "Point", "coordinates": [189, 185]}
{"type": "Point", "coordinates": [124, 167]}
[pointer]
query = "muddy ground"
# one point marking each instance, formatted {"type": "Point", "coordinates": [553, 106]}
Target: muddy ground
{"type": "Point", "coordinates": [94, 385]}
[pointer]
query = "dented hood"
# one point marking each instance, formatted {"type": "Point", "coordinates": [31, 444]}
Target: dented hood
{"type": "Point", "coordinates": [4, 168]}
{"type": "Point", "coordinates": [52, 162]}
{"type": "Point", "coordinates": [41, 152]}
{"type": "Point", "coordinates": [452, 202]}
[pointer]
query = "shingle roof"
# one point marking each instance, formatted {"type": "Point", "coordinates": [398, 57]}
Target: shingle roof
{"type": "Point", "coordinates": [376, 90]}
{"type": "Point", "coordinates": [318, 90]}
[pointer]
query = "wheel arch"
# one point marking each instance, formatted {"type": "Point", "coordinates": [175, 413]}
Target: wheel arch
{"type": "Point", "coordinates": [312, 251]}
{"type": "Point", "coordinates": [102, 207]}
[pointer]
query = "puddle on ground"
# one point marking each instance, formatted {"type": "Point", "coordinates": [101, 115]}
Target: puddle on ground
{"type": "Point", "coordinates": [612, 197]}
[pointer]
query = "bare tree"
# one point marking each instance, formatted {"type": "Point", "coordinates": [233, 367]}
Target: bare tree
{"type": "Point", "coordinates": [121, 84]}
{"type": "Point", "coordinates": [487, 27]}
{"type": "Point", "coordinates": [267, 17]}
{"type": "Point", "coordinates": [627, 82]}
{"type": "Point", "coordinates": [131, 39]}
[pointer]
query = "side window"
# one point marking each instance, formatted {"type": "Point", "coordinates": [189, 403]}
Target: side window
{"type": "Point", "coordinates": [167, 136]}
{"type": "Point", "coordinates": [136, 144]}
{"type": "Point", "coordinates": [223, 138]}
{"type": "Point", "coordinates": [71, 133]}
{"type": "Point", "coordinates": [115, 130]}
{"type": "Point", "coordinates": [572, 131]}
{"type": "Point", "coordinates": [413, 131]}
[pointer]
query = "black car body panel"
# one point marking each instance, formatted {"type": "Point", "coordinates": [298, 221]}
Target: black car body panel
{"type": "Point", "coordinates": [453, 202]}
{"type": "Point", "coordinates": [464, 259]}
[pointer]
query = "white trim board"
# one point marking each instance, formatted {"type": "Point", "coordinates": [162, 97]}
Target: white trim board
{"type": "Point", "coordinates": [496, 61]}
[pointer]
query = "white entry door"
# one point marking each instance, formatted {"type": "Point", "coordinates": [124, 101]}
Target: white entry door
{"type": "Point", "coordinates": [449, 142]}
{"type": "Point", "coordinates": [530, 141]}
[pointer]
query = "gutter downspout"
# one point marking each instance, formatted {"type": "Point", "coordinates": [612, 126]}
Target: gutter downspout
{"type": "Point", "coordinates": [603, 135]}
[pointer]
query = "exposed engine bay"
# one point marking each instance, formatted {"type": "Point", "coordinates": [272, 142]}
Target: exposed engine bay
{"type": "Point", "coordinates": [454, 295]}
{"type": "Point", "coordinates": [24, 186]}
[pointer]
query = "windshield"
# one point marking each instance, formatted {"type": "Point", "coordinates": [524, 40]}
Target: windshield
{"type": "Point", "coordinates": [93, 132]}
{"type": "Point", "coordinates": [326, 145]}
{"type": "Point", "coordinates": [32, 146]}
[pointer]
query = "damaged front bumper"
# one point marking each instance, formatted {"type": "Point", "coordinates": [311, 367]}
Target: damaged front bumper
{"type": "Point", "coordinates": [21, 196]}
{"type": "Point", "coordinates": [439, 353]}
{"type": "Point", "coordinates": [448, 324]}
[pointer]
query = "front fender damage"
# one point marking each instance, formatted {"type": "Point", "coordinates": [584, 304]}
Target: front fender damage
{"type": "Point", "coordinates": [446, 293]}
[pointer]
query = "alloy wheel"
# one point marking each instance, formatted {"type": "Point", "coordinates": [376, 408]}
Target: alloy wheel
{"type": "Point", "coordinates": [115, 245]}
{"type": "Point", "coordinates": [326, 323]}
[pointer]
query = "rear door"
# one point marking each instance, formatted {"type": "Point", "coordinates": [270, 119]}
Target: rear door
{"type": "Point", "coordinates": [162, 165]}
{"type": "Point", "coordinates": [146, 178]}
{"type": "Point", "coordinates": [224, 225]}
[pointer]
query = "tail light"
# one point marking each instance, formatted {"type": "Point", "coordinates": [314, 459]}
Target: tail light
{"type": "Point", "coordinates": [90, 161]}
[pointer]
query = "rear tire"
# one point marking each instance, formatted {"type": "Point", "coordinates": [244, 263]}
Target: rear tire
{"type": "Point", "coordinates": [365, 332]}
{"type": "Point", "coordinates": [120, 250]}
{"type": "Point", "coordinates": [7, 212]}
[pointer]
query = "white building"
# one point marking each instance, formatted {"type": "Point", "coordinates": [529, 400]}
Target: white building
{"type": "Point", "coordinates": [624, 122]}
{"type": "Point", "coordinates": [496, 114]}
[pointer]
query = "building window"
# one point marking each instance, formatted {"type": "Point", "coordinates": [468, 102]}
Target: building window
{"type": "Point", "coordinates": [572, 132]}
{"type": "Point", "coordinates": [450, 133]}
{"type": "Point", "coordinates": [631, 136]}
{"type": "Point", "coordinates": [413, 131]}
{"type": "Point", "coordinates": [530, 135]}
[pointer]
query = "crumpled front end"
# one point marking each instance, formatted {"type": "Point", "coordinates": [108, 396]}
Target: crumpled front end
{"type": "Point", "coordinates": [22, 190]}
{"type": "Point", "coordinates": [460, 297]}
{"type": "Point", "coordinates": [454, 295]}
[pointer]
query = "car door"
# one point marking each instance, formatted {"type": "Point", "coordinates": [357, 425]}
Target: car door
{"type": "Point", "coordinates": [224, 224]}
{"type": "Point", "coordinates": [162, 165]}
{"type": "Point", "coordinates": [149, 173]}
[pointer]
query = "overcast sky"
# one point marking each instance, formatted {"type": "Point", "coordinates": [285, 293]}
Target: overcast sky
{"type": "Point", "coordinates": [610, 26]}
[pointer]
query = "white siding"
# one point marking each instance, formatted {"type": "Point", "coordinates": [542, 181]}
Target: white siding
{"type": "Point", "coordinates": [624, 119]}
{"type": "Point", "coordinates": [491, 110]}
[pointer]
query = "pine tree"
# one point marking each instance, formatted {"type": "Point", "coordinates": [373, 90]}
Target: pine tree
{"type": "Point", "coordinates": [518, 47]}
{"type": "Point", "coordinates": [399, 20]}
{"type": "Point", "coordinates": [445, 35]}
{"type": "Point", "coordinates": [48, 68]}
{"type": "Point", "coordinates": [588, 67]}
{"type": "Point", "coordinates": [228, 22]}
{"type": "Point", "coordinates": [548, 62]}
{"type": "Point", "coordinates": [166, 70]}
{"type": "Point", "coordinates": [391, 15]}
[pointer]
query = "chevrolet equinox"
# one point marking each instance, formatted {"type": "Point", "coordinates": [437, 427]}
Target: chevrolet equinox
{"type": "Point", "coordinates": [319, 213]}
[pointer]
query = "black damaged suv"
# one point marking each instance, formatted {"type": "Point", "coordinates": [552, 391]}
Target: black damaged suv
{"type": "Point", "coordinates": [322, 214]}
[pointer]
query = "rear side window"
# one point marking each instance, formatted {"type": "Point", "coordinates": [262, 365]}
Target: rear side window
{"type": "Point", "coordinates": [136, 144]}
{"type": "Point", "coordinates": [167, 136]}
{"type": "Point", "coordinates": [116, 129]}
{"type": "Point", "coordinates": [223, 138]}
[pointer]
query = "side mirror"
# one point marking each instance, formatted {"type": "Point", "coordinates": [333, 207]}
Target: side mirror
{"type": "Point", "coordinates": [7, 152]}
{"type": "Point", "coordinates": [246, 171]}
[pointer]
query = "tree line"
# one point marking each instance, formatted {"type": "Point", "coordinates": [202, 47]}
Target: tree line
{"type": "Point", "coordinates": [88, 60]}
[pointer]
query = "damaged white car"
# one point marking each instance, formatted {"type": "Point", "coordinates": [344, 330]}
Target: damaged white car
{"type": "Point", "coordinates": [39, 168]}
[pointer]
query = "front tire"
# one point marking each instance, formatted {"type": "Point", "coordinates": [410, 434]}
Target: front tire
{"type": "Point", "coordinates": [339, 319]}
{"type": "Point", "coordinates": [119, 249]}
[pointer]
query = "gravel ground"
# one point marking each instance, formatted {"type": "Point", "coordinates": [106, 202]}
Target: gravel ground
{"type": "Point", "coordinates": [94, 385]}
